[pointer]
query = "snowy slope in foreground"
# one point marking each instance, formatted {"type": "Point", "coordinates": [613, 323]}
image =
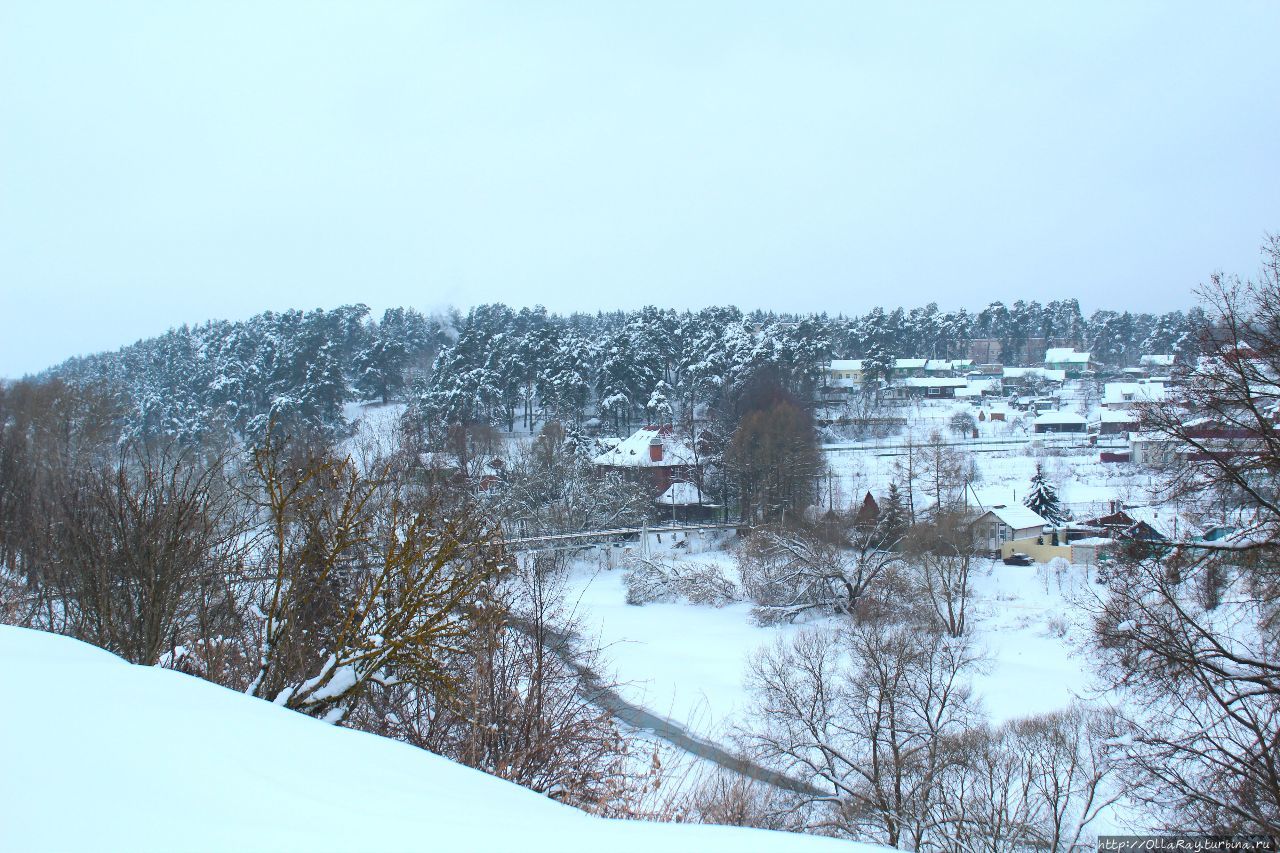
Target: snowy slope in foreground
{"type": "Point", "coordinates": [102, 755]}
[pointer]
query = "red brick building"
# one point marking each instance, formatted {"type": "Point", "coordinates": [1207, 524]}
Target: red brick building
{"type": "Point", "coordinates": [652, 453]}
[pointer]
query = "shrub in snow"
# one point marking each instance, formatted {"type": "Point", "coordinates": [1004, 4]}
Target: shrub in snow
{"type": "Point", "coordinates": [648, 580]}
{"type": "Point", "coordinates": [1060, 568]}
{"type": "Point", "coordinates": [789, 573]}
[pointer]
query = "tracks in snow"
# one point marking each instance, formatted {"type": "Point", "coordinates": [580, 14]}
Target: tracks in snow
{"type": "Point", "coordinates": [561, 643]}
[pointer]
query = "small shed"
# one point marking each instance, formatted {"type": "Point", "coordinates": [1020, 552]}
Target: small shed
{"type": "Point", "coordinates": [685, 502]}
{"type": "Point", "coordinates": [1117, 422]}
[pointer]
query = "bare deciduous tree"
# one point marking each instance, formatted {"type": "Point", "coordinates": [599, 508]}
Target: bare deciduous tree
{"type": "Point", "coordinates": [361, 589]}
{"type": "Point", "coordinates": [940, 553]}
{"type": "Point", "coordinates": [649, 579]}
{"type": "Point", "coordinates": [132, 545]}
{"type": "Point", "coordinates": [789, 572]}
{"type": "Point", "coordinates": [1032, 784]}
{"type": "Point", "coordinates": [522, 708]}
{"type": "Point", "coordinates": [865, 717]}
{"type": "Point", "coordinates": [1191, 635]}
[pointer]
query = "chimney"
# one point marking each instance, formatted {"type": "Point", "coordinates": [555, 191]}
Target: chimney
{"type": "Point", "coordinates": [655, 450]}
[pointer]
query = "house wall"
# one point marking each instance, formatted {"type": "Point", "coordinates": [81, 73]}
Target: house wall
{"type": "Point", "coordinates": [989, 533]}
{"type": "Point", "coordinates": [1150, 452]}
{"type": "Point", "coordinates": [659, 477]}
{"type": "Point", "coordinates": [1052, 428]}
{"type": "Point", "coordinates": [1039, 553]}
{"type": "Point", "coordinates": [1085, 555]}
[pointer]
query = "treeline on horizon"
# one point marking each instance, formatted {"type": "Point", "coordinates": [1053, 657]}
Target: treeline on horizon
{"type": "Point", "coordinates": [500, 366]}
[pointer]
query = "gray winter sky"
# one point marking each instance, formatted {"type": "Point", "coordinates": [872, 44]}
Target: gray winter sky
{"type": "Point", "coordinates": [166, 162]}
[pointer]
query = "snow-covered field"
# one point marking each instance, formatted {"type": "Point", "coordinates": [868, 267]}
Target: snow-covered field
{"type": "Point", "coordinates": [688, 662]}
{"type": "Point", "coordinates": [102, 755]}
{"type": "Point", "coordinates": [679, 660]}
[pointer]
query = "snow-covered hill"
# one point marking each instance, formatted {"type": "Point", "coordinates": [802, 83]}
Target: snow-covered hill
{"type": "Point", "coordinates": [101, 755]}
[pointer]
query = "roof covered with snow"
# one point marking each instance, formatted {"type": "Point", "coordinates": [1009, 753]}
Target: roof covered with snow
{"type": "Point", "coordinates": [1156, 361]}
{"type": "Point", "coordinates": [683, 494]}
{"type": "Point", "coordinates": [1017, 516]}
{"type": "Point", "coordinates": [855, 364]}
{"type": "Point", "coordinates": [976, 388]}
{"type": "Point", "coordinates": [1043, 372]}
{"type": "Point", "coordinates": [1164, 520]}
{"type": "Point", "coordinates": [1060, 418]}
{"type": "Point", "coordinates": [633, 451]}
{"type": "Point", "coordinates": [1065, 355]}
{"type": "Point", "coordinates": [1132, 392]}
{"type": "Point", "coordinates": [935, 382]}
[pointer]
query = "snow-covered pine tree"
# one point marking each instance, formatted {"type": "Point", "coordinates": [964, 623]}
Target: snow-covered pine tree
{"type": "Point", "coordinates": [893, 512]}
{"type": "Point", "coordinates": [1042, 499]}
{"type": "Point", "coordinates": [659, 406]}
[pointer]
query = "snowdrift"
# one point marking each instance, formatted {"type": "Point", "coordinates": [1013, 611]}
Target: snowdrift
{"type": "Point", "coordinates": [101, 755]}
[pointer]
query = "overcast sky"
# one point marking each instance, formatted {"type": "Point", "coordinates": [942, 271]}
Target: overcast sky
{"type": "Point", "coordinates": [171, 162]}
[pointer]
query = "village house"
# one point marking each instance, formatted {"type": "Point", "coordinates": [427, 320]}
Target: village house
{"type": "Point", "coordinates": [974, 389]}
{"type": "Point", "coordinates": [1004, 523]}
{"type": "Point", "coordinates": [848, 372]}
{"type": "Point", "coordinates": [904, 368]}
{"type": "Point", "coordinates": [1034, 374]}
{"type": "Point", "coordinates": [1126, 395]}
{"type": "Point", "coordinates": [480, 472]}
{"type": "Point", "coordinates": [1117, 422]}
{"type": "Point", "coordinates": [1147, 448]}
{"type": "Point", "coordinates": [985, 350]}
{"type": "Point", "coordinates": [1122, 525]}
{"type": "Point", "coordinates": [654, 455]}
{"type": "Point", "coordinates": [844, 372]}
{"type": "Point", "coordinates": [947, 367]}
{"type": "Point", "coordinates": [1069, 361]}
{"type": "Point", "coordinates": [928, 387]}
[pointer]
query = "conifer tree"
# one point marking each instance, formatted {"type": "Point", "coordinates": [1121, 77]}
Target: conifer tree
{"type": "Point", "coordinates": [893, 512]}
{"type": "Point", "coordinates": [1042, 499]}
